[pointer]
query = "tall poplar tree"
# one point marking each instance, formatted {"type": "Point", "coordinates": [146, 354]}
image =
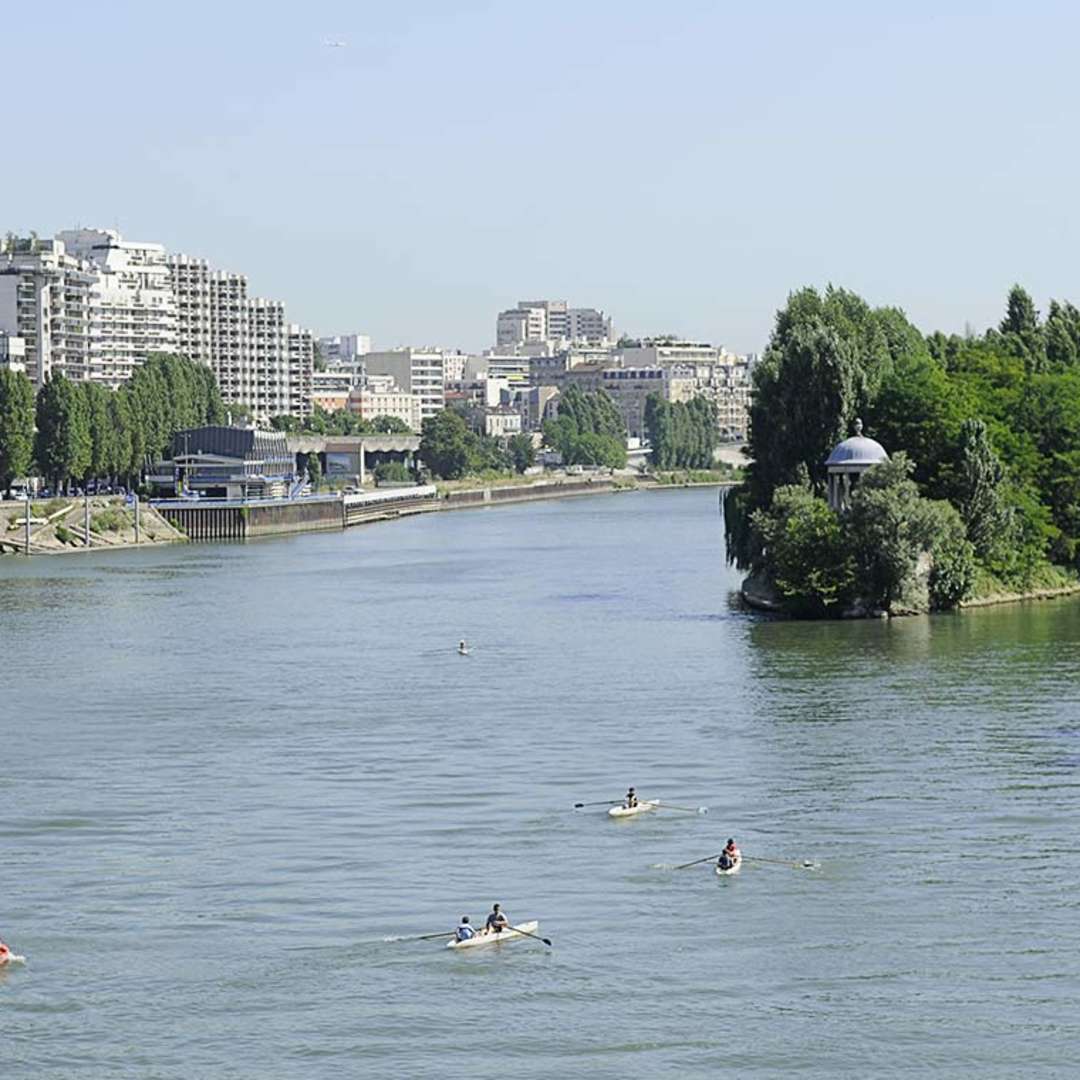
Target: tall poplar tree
{"type": "Point", "coordinates": [16, 426]}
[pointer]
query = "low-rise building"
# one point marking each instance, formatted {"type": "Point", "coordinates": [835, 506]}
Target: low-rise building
{"type": "Point", "coordinates": [370, 402]}
{"type": "Point", "coordinates": [216, 462]}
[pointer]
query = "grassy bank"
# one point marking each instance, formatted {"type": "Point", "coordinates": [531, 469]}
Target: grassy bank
{"type": "Point", "coordinates": [1045, 580]}
{"type": "Point", "coordinates": [725, 474]}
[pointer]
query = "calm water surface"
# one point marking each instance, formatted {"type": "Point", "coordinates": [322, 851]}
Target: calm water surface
{"type": "Point", "coordinates": [229, 772]}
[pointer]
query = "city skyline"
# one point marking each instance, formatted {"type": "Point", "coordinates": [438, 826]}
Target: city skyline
{"type": "Point", "coordinates": [683, 173]}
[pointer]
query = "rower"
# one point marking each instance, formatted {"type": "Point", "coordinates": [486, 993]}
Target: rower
{"type": "Point", "coordinates": [462, 648]}
{"type": "Point", "coordinates": [631, 799]}
{"type": "Point", "coordinates": [729, 856]}
{"type": "Point", "coordinates": [464, 930]}
{"type": "Point", "coordinates": [496, 921]}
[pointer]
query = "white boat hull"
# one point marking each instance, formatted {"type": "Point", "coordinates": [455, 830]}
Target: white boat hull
{"type": "Point", "coordinates": [511, 933]}
{"type": "Point", "coordinates": [632, 811]}
{"type": "Point", "coordinates": [722, 872]}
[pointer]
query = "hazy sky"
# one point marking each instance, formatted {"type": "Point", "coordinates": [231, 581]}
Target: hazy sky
{"type": "Point", "coordinates": [681, 165]}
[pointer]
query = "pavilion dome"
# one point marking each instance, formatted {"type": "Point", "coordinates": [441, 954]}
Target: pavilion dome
{"type": "Point", "coordinates": [857, 451]}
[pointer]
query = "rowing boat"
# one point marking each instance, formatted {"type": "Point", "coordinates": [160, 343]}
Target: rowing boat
{"type": "Point", "coordinates": [511, 933]}
{"type": "Point", "coordinates": [629, 811]}
{"type": "Point", "coordinates": [732, 869]}
{"type": "Point", "coordinates": [8, 957]}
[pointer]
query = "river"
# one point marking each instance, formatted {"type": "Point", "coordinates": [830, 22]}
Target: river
{"type": "Point", "coordinates": [230, 771]}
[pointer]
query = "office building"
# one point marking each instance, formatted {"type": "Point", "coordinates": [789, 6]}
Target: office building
{"type": "Point", "coordinates": [415, 371]}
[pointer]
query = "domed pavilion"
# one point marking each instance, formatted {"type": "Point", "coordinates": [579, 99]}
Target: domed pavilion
{"type": "Point", "coordinates": [848, 461]}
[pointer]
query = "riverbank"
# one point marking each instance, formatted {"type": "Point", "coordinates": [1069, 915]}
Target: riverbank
{"type": "Point", "coordinates": [759, 596]}
{"type": "Point", "coordinates": [65, 525]}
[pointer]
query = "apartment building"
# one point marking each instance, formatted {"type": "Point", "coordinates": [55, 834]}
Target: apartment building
{"type": "Point", "coordinates": [383, 398]}
{"type": "Point", "coordinates": [261, 361]}
{"type": "Point", "coordinates": [130, 310]}
{"type": "Point", "coordinates": [536, 321]}
{"type": "Point", "coordinates": [330, 389]}
{"type": "Point", "coordinates": [44, 300]}
{"type": "Point", "coordinates": [415, 371]}
{"type": "Point", "coordinates": [343, 349]}
{"type": "Point", "coordinates": [12, 352]}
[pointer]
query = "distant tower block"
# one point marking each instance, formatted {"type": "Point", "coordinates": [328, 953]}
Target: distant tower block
{"type": "Point", "coordinates": [848, 461]}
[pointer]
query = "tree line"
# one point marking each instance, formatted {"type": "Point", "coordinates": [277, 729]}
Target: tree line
{"type": "Point", "coordinates": [340, 422]}
{"type": "Point", "coordinates": [588, 430]}
{"type": "Point", "coordinates": [74, 432]}
{"type": "Point", "coordinates": [451, 449]}
{"type": "Point", "coordinates": [984, 432]}
{"type": "Point", "coordinates": [683, 435]}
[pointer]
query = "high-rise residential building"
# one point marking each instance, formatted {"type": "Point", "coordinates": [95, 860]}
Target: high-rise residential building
{"type": "Point", "coordinates": [130, 312]}
{"type": "Point", "coordinates": [261, 361]}
{"type": "Point", "coordinates": [45, 299]}
{"type": "Point", "coordinates": [534, 321]}
{"type": "Point", "coordinates": [416, 371]}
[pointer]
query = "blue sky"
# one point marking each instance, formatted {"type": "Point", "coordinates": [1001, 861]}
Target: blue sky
{"type": "Point", "coordinates": [683, 165]}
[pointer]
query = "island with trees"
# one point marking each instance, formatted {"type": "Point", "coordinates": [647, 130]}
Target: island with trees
{"type": "Point", "coordinates": [980, 494]}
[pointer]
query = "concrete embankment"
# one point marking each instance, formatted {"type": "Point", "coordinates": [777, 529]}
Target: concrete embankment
{"type": "Point", "coordinates": [60, 526]}
{"type": "Point", "coordinates": [500, 495]}
{"type": "Point", "coordinates": [67, 525]}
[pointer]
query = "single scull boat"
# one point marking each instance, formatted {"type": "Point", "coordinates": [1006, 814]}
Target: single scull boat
{"type": "Point", "coordinates": [623, 810]}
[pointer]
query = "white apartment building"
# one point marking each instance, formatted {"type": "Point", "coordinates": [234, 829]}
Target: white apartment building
{"type": "Point", "coordinates": [344, 348]}
{"type": "Point", "coordinates": [535, 321]}
{"type": "Point", "coordinates": [130, 312]}
{"type": "Point", "coordinates": [44, 300]}
{"type": "Point", "coordinates": [416, 371]}
{"type": "Point", "coordinates": [260, 360]}
{"type": "Point", "coordinates": [12, 352]}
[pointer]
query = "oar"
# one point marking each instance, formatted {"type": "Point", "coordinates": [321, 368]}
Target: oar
{"type": "Point", "coordinates": [606, 802]}
{"type": "Point", "coordinates": [527, 933]}
{"type": "Point", "coordinates": [806, 864]}
{"type": "Point", "coordinates": [422, 937]}
{"type": "Point", "coordinates": [686, 809]}
{"type": "Point", "coordinates": [708, 858]}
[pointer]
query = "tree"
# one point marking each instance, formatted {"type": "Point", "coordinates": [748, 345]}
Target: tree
{"type": "Point", "coordinates": [390, 425]}
{"type": "Point", "coordinates": [314, 470]}
{"type": "Point", "coordinates": [807, 554]}
{"type": "Point", "coordinates": [589, 429]}
{"type": "Point", "coordinates": [892, 527]}
{"type": "Point", "coordinates": [392, 472]}
{"type": "Point", "coordinates": [978, 493]}
{"type": "Point", "coordinates": [63, 444]}
{"type": "Point", "coordinates": [1021, 330]}
{"type": "Point", "coordinates": [16, 426]}
{"type": "Point", "coordinates": [522, 452]}
{"type": "Point", "coordinates": [100, 426]}
{"type": "Point", "coordinates": [445, 444]}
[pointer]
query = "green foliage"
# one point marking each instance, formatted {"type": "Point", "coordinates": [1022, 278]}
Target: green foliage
{"type": "Point", "coordinates": [451, 450]}
{"type": "Point", "coordinates": [390, 425]}
{"type": "Point", "coordinates": [979, 494]}
{"type": "Point", "coordinates": [522, 452]}
{"type": "Point", "coordinates": [807, 553]}
{"type": "Point", "coordinates": [392, 472]}
{"type": "Point", "coordinates": [588, 430]}
{"type": "Point", "coordinates": [445, 444]}
{"type": "Point", "coordinates": [111, 519]}
{"type": "Point", "coordinates": [64, 444]}
{"type": "Point", "coordinates": [85, 431]}
{"type": "Point", "coordinates": [64, 535]}
{"type": "Point", "coordinates": [314, 470]}
{"type": "Point", "coordinates": [16, 426]}
{"type": "Point", "coordinates": [891, 526]}
{"type": "Point", "coordinates": [683, 435]}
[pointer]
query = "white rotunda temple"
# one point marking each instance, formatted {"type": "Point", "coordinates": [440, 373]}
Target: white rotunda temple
{"type": "Point", "coordinates": [848, 461]}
